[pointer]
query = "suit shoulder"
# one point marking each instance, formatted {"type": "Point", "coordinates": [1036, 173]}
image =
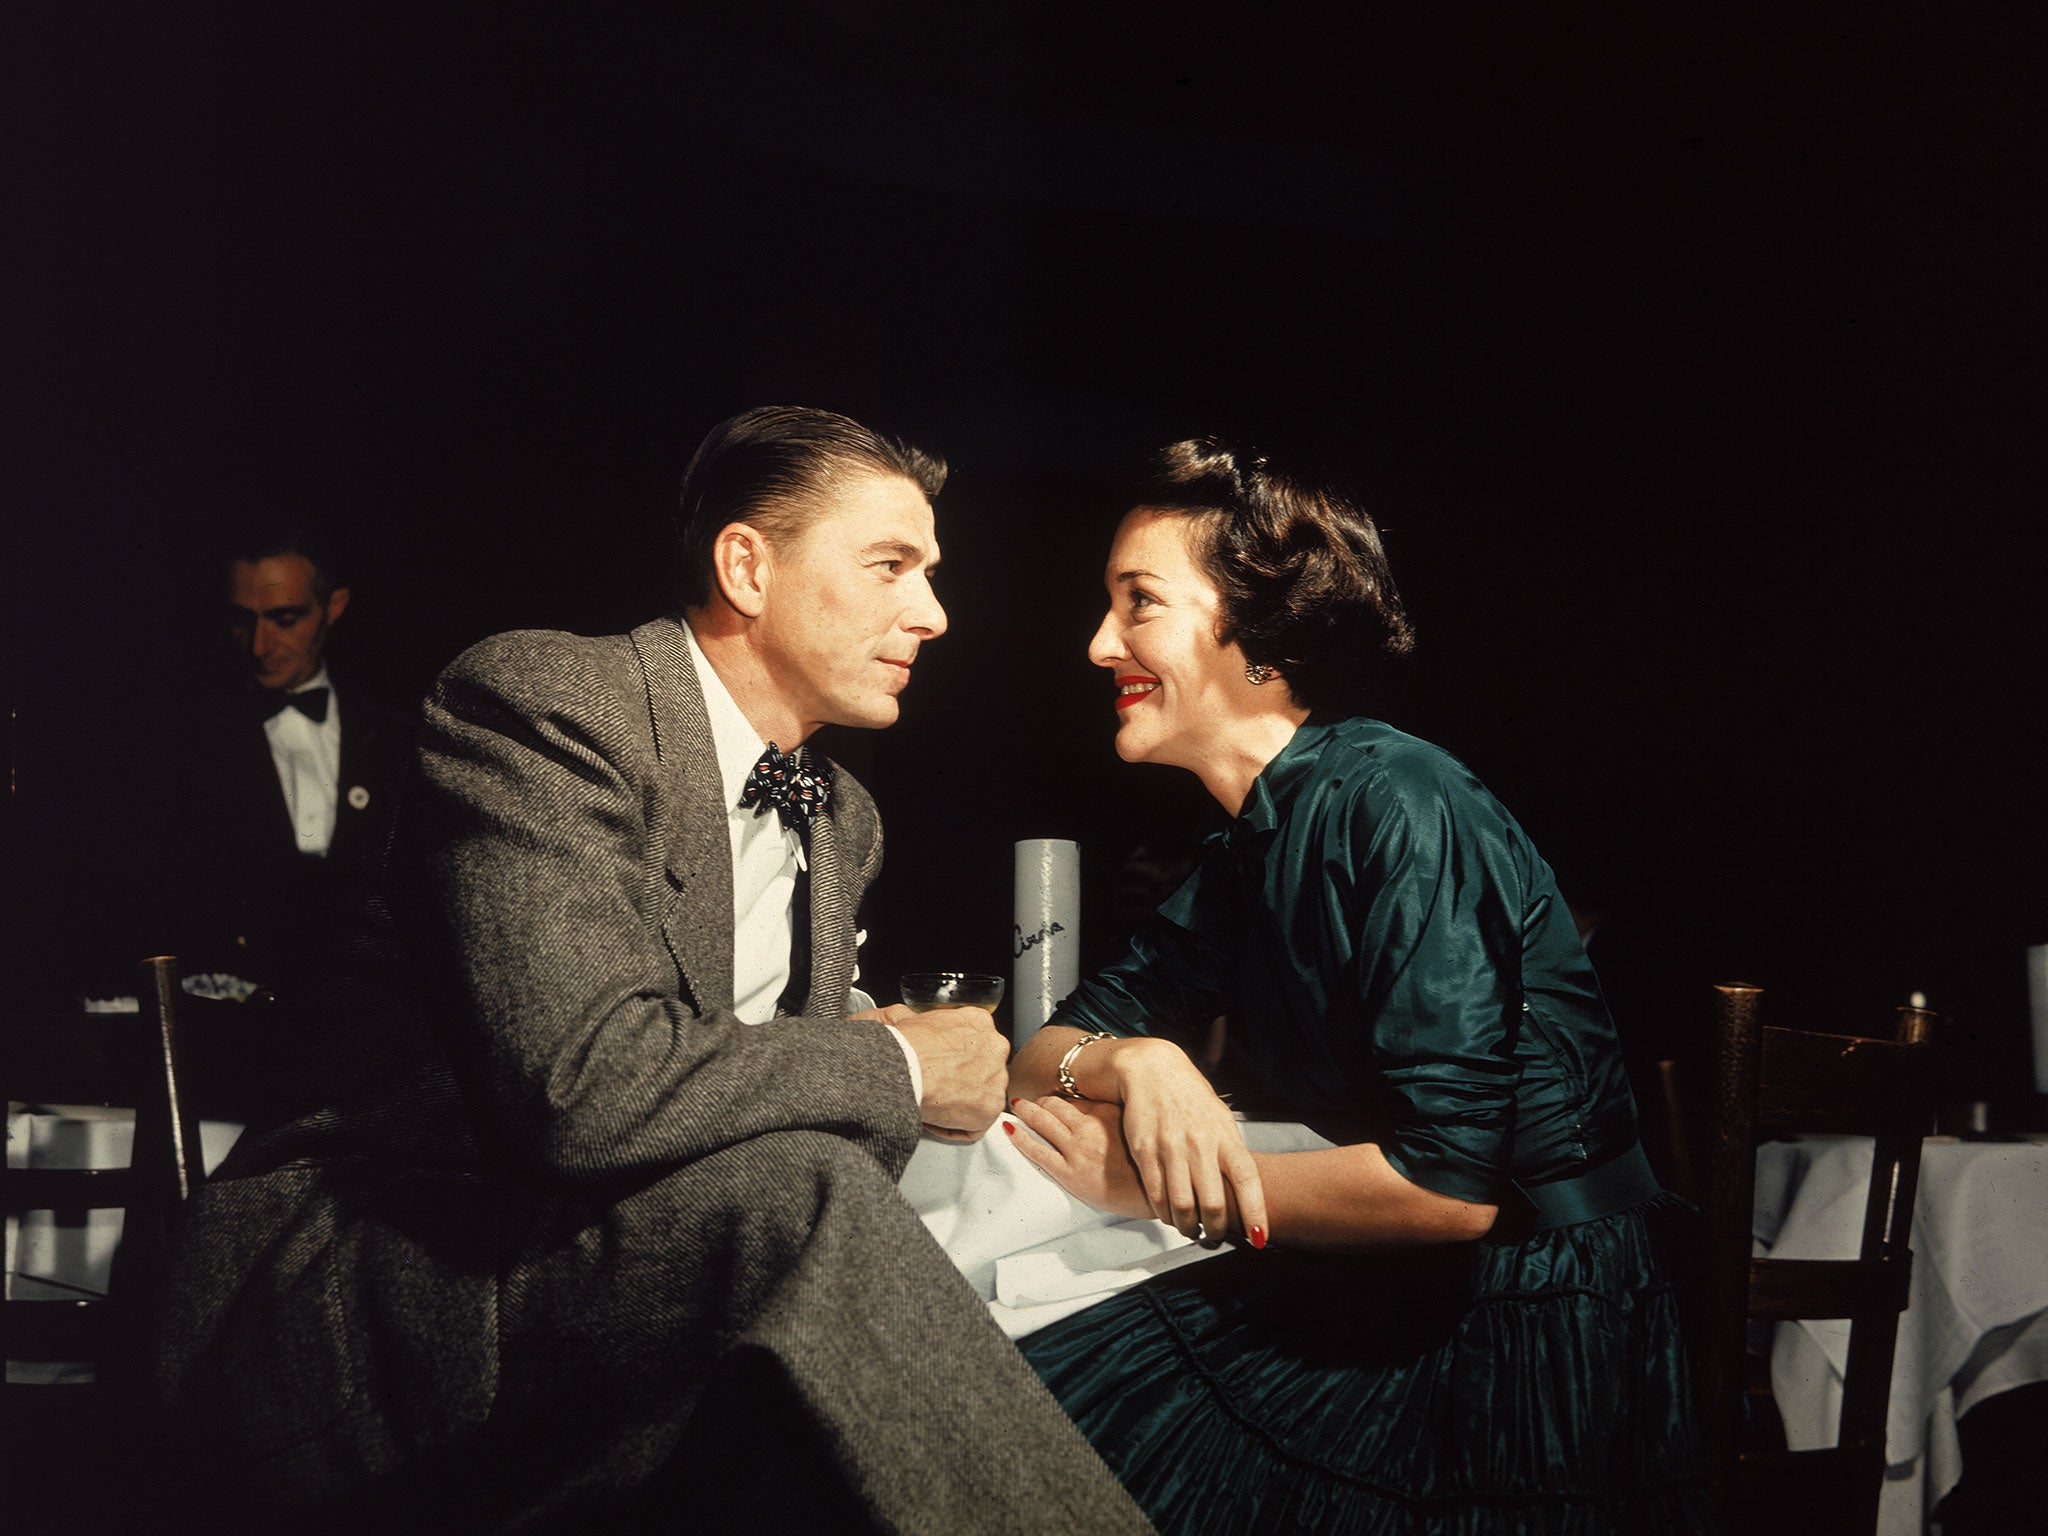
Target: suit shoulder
{"type": "Point", "coordinates": [517, 651]}
{"type": "Point", "coordinates": [537, 664]}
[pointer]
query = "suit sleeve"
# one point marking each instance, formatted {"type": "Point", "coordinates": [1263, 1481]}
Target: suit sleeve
{"type": "Point", "coordinates": [538, 911]}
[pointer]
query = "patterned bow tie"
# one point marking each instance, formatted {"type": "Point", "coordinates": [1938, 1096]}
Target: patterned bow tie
{"type": "Point", "coordinates": [310, 702]}
{"type": "Point", "coordinates": [794, 783]}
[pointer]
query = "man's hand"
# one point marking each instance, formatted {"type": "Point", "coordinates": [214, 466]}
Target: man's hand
{"type": "Point", "coordinates": [965, 1065]}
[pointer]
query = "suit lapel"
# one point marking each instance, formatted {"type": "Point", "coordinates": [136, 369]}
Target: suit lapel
{"type": "Point", "coordinates": [691, 836]}
{"type": "Point", "coordinates": [831, 924]}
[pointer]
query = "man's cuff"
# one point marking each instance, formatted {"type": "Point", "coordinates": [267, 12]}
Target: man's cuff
{"type": "Point", "coordinates": [910, 1061]}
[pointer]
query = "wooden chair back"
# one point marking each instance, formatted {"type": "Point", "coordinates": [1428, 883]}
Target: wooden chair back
{"type": "Point", "coordinates": [116, 1059]}
{"type": "Point", "coordinates": [1771, 1081]}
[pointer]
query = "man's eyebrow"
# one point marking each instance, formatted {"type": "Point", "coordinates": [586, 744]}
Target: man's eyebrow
{"type": "Point", "coordinates": [896, 547]}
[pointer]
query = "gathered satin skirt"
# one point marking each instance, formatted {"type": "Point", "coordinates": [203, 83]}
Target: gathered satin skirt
{"type": "Point", "coordinates": [1537, 1385]}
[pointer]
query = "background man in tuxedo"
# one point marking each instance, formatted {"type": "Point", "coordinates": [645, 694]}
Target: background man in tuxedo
{"type": "Point", "coordinates": [604, 1228]}
{"type": "Point", "coordinates": [289, 784]}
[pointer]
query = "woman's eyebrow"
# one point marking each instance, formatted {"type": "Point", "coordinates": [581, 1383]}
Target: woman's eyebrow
{"type": "Point", "coordinates": [1134, 576]}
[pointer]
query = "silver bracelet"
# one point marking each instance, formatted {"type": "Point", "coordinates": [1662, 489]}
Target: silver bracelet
{"type": "Point", "coordinates": [1066, 1073]}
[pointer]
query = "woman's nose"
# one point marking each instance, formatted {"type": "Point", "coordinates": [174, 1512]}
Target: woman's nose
{"type": "Point", "coordinates": [1107, 648]}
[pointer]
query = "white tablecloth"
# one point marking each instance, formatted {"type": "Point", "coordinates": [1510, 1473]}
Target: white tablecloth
{"type": "Point", "coordinates": [48, 1259]}
{"type": "Point", "coordinates": [1031, 1250]}
{"type": "Point", "coordinates": [1978, 1322]}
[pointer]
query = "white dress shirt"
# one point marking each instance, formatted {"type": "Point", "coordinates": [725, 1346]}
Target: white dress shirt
{"type": "Point", "coordinates": [307, 756]}
{"type": "Point", "coordinates": [766, 856]}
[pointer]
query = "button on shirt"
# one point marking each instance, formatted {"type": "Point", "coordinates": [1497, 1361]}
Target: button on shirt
{"type": "Point", "coordinates": [307, 756]}
{"type": "Point", "coordinates": [766, 856]}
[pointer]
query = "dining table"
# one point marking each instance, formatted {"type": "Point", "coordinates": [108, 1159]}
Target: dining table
{"type": "Point", "coordinates": [52, 1256]}
{"type": "Point", "coordinates": [1976, 1323]}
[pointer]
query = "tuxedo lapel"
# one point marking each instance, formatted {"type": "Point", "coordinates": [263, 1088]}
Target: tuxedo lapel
{"type": "Point", "coordinates": [691, 836]}
{"type": "Point", "coordinates": [355, 786]}
{"type": "Point", "coordinates": [255, 783]}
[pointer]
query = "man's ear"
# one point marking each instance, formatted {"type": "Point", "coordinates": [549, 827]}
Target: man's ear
{"type": "Point", "coordinates": [337, 602]}
{"type": "Point", "coordinates": [742, 566]}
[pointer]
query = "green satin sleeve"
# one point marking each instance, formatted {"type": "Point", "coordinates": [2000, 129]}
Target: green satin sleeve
{"type": "Point", "coordinates": [1167, 982]}
{"type": "Point", "coordinates": [1435, 905]}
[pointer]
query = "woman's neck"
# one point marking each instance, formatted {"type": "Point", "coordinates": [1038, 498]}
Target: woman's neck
{"type": "Point", "coordinates": [1228, 772]}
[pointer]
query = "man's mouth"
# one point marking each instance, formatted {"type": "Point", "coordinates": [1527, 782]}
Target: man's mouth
{"type": "Point", "coordinates": [1129, 690]}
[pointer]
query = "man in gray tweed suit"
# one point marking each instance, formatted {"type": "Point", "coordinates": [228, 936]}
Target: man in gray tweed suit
{"type": "Point", "coordinates": [603, 1231]}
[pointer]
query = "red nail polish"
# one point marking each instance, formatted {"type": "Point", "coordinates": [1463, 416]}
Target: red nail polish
{"type": "Point", "coordinates": [1014, 1103]}
{"type": "Point", "coordinates": [1258, 1237]}
{"type": "Point", "coordinates": [1010, 1126]}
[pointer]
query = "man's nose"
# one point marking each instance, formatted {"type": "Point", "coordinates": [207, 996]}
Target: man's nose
{"type": "Point", "coordinates": [928, 619]}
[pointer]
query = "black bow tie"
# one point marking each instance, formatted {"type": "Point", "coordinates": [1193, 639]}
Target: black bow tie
{"type": "Point", "coordinates": [310, 702]}
{"type": "Point", "coordinates": [795, 783]}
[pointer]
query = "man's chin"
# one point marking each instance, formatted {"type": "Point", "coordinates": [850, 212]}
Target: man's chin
{"type": "Point", "coordinates": [870, 715]}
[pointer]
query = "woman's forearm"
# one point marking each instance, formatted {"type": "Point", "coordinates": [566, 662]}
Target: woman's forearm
{"type": "Point", "coordinates": [1351, 1198]}
{"type": "Point", "coordinates": [1034, 1070]}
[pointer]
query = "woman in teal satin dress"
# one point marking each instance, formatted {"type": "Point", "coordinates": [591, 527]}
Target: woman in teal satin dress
{"type": "Point", "coordinates": [1459, 1317]}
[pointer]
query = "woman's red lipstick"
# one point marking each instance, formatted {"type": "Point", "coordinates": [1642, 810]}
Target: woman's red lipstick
{"type": "Point", "coordinates": [1136, 686]}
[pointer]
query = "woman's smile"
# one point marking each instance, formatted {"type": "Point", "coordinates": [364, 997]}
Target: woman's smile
{"type": "Point", "coordinates": [1129, 690]}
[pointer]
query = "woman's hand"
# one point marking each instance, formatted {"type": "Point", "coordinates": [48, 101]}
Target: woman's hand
{"type": "Point", "coordinates": [1081, 1145]}
{"type": "Point", "coordinates": [1190, 1156]}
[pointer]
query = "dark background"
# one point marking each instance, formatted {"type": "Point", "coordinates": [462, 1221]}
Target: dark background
{"type": "Point", "coordinates": [1693, 364]}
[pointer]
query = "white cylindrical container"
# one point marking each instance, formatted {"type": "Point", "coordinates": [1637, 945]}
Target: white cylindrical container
{"type": "Point", "coordinates": [2037, 1005]}
{"type": "Point", "coordinates": [1046, 943]}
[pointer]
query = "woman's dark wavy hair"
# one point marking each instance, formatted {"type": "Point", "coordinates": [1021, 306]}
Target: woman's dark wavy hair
{"type": "Point", "coordinates": [1304, 580]}
{"type": "Point", "coordinates": [772, 467]}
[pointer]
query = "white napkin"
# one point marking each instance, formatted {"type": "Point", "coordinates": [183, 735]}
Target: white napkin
{"type": "Point", "coordinates": [1031, 1250]}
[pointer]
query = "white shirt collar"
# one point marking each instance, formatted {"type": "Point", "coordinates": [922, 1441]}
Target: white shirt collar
{"type": "Point", "coordinates": [735, 741]}
{"type": "Point", "coordinates": [317, 680]}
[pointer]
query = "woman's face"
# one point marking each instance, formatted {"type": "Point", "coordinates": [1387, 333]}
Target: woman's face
{"type": "Point", "coordinates": [1178, 691]}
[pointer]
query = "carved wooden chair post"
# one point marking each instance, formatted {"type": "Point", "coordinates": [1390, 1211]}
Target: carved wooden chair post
{"type": "Point", "coordinates": [1771, 1081]}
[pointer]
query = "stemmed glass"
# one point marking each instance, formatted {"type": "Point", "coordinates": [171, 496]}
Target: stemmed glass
{"type": "Point", "coordinates": [923, 991]}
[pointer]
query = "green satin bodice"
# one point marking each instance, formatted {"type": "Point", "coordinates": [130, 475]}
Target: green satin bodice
{"type": "Point", "coordinates": [1395, 963]}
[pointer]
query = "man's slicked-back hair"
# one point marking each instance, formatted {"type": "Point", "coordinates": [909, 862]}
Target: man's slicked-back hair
{"type": "Point", "coordinates": [1303, 578]}
{"type": "Point", "coordinates": [255, 540]}
{"type": "Point", "coordinates": [773, 468]}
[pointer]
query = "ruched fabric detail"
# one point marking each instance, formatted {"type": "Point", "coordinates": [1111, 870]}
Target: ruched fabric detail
{"type": "Point", "coordinates": [1531, 1386]}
